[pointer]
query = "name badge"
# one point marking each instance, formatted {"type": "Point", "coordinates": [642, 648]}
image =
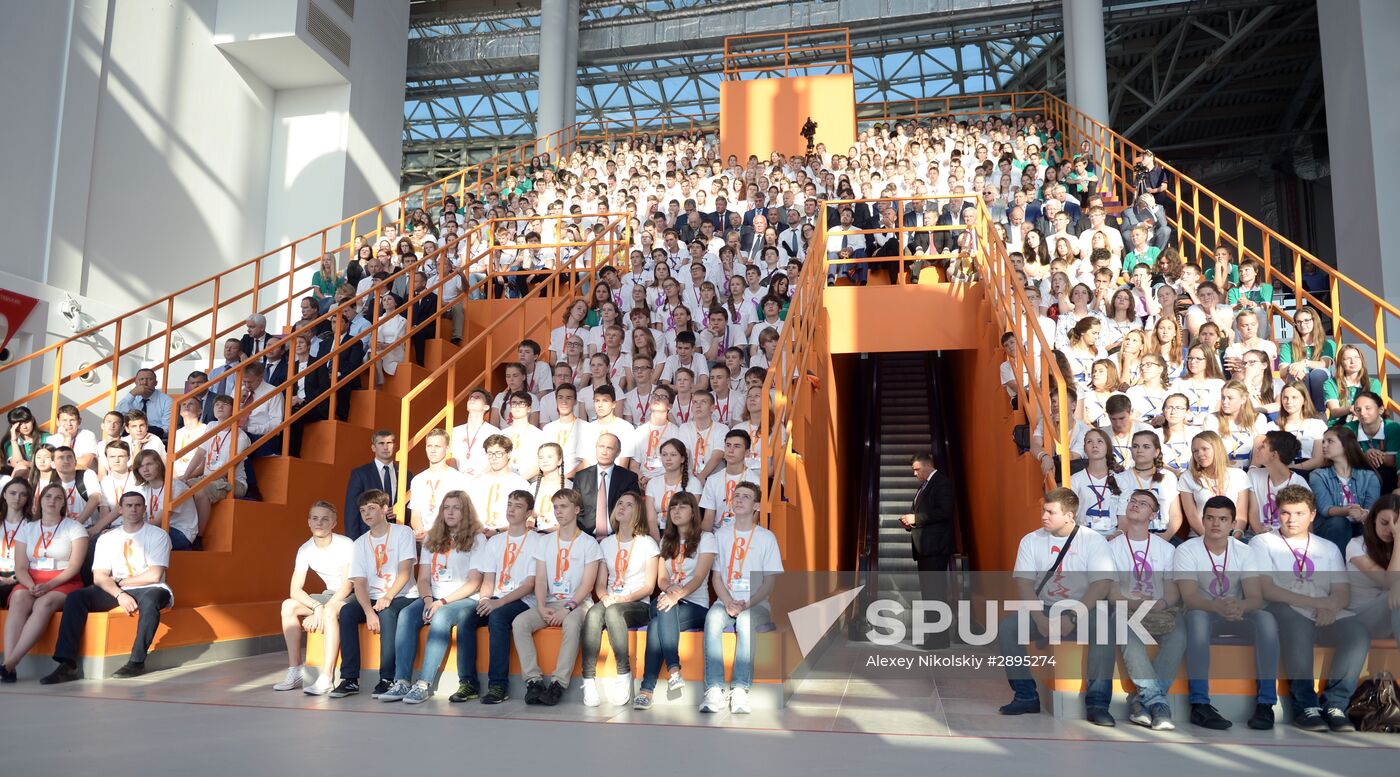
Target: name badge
{"type": "Point", "coordinates": [506, 587]}
{"type": "Point", "coordinates": [45, 564]}
{"type": "Point", "coordinates": [654, 462]}
{"type": "Point", "coordinates": [559, 590]}
{"type": "Point", "coordinates": [739, 585]}
{"type": "Point", "coordinates": [442, 575]}
{"type": "Point", "coordinates": [619, 587]}
{"type": "Point", "coordinates": [725, 519]}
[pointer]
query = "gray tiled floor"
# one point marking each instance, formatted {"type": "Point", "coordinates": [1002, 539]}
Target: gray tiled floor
{"type": "Point", "coordinates": [223, 719]}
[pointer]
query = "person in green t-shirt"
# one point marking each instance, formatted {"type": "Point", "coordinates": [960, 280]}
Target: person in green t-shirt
{"type": "Point", "coordinates": [1251, 291]}
{"type": "Point", "coordinates": [1378, 436]}
{"type": "Point", "coordinates": [1142, 253]}
{"type": "Point", "coordinates": [1309, 355]}
{"type": "Point", "coordinates": [1350, 378]}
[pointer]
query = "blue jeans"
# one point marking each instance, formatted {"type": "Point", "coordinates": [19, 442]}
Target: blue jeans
{"type": "Point", "coordinates": [1338, 529]}
{"type": "Point", "coordinates": [473, 278]}
{"type": "Point", "coordinates": [1380, 620]}
{"type": "Point", "coordinates": [1098, 683]}
{"type": "Point", "coordinates": [1350, 643]}
{"type": "Point", "coordinates": [351, 616]}
{"type": "Point", "coordinates": [448, 617]}
{"type": "Point", "coordinates": [1262, 629]}
{"type": "Point", "coordinates": [178, 540]}
{"type": "Point", "coordinates": [1154, 677]}
{"type": "Point", "coordinates": [498, 642]}
{"type": "Point", "coordinates": [1315, 380]}
{"type": "Point", "coordinates": [716, 621]}
{"type": "Point", "coordinates": [664, 638]}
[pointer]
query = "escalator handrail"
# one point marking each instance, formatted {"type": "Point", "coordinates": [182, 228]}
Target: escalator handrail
{"type": "Point", "coordinates": [869, 509]}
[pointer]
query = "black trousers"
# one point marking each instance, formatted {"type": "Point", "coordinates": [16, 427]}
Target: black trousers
{"type": "Point", "coordinates": [149, 601]}
{"type": "Point", "coordinates": [933, 586]}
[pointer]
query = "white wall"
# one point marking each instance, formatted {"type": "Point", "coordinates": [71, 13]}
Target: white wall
{"type": "Point", "coordinates": [139, 156]}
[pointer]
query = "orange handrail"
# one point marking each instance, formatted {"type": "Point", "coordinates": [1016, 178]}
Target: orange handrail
{"type": "Point", "coordinates": [1201, 220]}
{"type": "Point", "coordinates": [735, 54]}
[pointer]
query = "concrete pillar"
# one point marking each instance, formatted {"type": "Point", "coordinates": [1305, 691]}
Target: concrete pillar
{"type": "Point", "coordinates": [1071, 84]}
{"type": "Point", "coordinates": [553, 41]}
{"type": "Point", "coordinates": [1089, 74]}
{"type": "Point", "coordinates": [570, 65]}
{"type": "Point", "coordinates": [1359, 63]}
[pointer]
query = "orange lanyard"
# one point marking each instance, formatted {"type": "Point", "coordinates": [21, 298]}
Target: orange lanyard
{"type": "Point", "coordinates": [512, 552]}
{"type": "Point", "coordinates": [739, 551]}
{"type": "Point", "coordinates": [621, 559]}
{"type": "Point", "coordinates": [561, 557]}
{"type": "Point", "coordinates": [72, 492]}
{"type": "Point", "coordinates": [702, 447]}
{"type": "Point", "coordinates": [678, 564]}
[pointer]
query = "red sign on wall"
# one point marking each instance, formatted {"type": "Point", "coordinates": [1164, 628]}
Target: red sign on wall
{"type": "Point", "coordinates": [14, 310]}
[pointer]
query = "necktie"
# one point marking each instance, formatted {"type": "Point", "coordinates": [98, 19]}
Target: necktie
{"type": "Point", "coordinates": [388, 483]}
{"type": "Point", "coordinates": [145, 403]}
{"type": "Point", "coordinates": [601, 526]}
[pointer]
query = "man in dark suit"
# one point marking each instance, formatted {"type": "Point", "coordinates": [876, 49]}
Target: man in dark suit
{"type": "Point", "coordinates": [381, 473]}
{"type": "Point", "coordinates": [619, 480]}
{"type": "Point", "coordinates": [257, 337]}
{"type": "Point", "coordinates": [422, 310]}
{"type": "Point", "coordinates": [931, 530]}
{"type": "Point", "coordinates": [350, 360]}
{"type": "Point", "coordinates": [275, 365]}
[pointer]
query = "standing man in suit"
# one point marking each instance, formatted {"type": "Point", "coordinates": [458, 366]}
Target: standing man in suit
{"type": "Point", "coordinates": [931, 530]}
{"type": "Point", "coordinates": [424, 308]}
{"type": "Point", "coordinates": [616, 481]}
{"type": "Point", "coordinates": [380, 474]}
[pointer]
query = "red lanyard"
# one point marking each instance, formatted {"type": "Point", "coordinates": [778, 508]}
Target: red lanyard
{"type": "Point", "coordinates": [9, 538]}
{"type": "Point", "coordinates": [153, 506]}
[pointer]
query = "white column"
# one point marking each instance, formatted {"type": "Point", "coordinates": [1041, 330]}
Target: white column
{"type": "Point", "coordinates": [1071, 82]}
{"type": "Point", "coordinates": [1088, 74]}
{"type": "Point", "coordinates": [570, 66]}
{"type": "Point", "coordinates": [553, 41]}
{"type": "Point", "coordinates": [1359, 63]}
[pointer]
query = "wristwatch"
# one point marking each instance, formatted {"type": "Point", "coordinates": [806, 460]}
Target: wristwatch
{"type": "Point", "coordinates": [570, 605]}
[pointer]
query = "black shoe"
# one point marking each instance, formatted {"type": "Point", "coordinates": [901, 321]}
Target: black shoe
{"type": "Point", "coordinates": [1020, 707]}
{"type": "Point", "coordinates": [380, 688]}
{"type": "Point", "coordinates": [130, 669]}
{"type": "Point", "coordinates": [1310, 719]}
{"type": "Point", "coordinates": [456, 341]}
{"type": "Point", "coordinates": [552, 694]}
{"type": "Point", "coordinates": [1100, 716]}
{"type": "Point", "coordinates": [1207, 716]}
{"type": "Point", "coordinates": [495, 695]}
{"type": "Point", "coordinates": [465, 692]}
{"type": "Point", "coordinates": [65, 673]}
{"type": "Point", "coordinates": [1262, 719]}
{"type": "Point", "coordinates": [6, 676]}
{"type": "Point", "coordinates": [1337, 719]}
{"type": "Point", "coordinates": [346, 688]}
{"type": "Point", "coordinates": [534, 691]}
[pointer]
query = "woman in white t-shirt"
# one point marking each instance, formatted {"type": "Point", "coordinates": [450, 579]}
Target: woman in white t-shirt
{"type": "Point", "coordinates": [1372, 566]}
{"type": "Point", "coordinates": [1299, 417]}
{"type": "Point", "coordinates": [1099, 495]}
{"type": "Point", "coordinates": [1147, 473]}
{"type": "Point", "coordinates": [1238, 423]}
{"type": "Point", "coordinates": [630, 562]}
{"type": "Point", "coordinates": [686, 556]}
{"type": "Point", "coordinates": [1200, 385]}
{"type": "Point", "coordinates": [49, 552]}
{"type": "Point", "coordinates": [449, 579]}
{"type": "Point", "coordinates": [1176, 435]}
{"type": "Point", "coordinates": [1210, 474]}
{"type": "Point", "coordinates": [1151, 390]}
{"type": "Point", "coordinates": [188, 518]}
{"type": "Point", "coordinates": [674, 480]}
{"type": "Point", "coordinates": [547, 483]}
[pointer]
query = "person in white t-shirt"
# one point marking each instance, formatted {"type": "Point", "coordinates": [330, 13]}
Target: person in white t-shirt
{"type": "Point", "coordinates": [605, 419]}
{"type": "Point", "coordinates": [624, 585]}
{"type": "Point", "coordinates": [82, 492]}
{"type": "Point", "coordinates": [1272, 454]}
{"type": "Point", "coordinates": [1100, 498]}
{"type": "Point", "coordinates": [1061, 563]}
{"type": "Point", "coordinates": [216, 451]}
{"type": "Point", "coordinates": [1374, 569]}
{"type": "Point", "coordinates": [568, 431]}
{"type": "Point", "coordinates": [747, 563]}
{"type": "Point", "coordinates": [381, 571]}
{"type": "Point", "coordinates": [449, 581]}
{"type": "Point", "coordinates": [717, 498]}
{"type": "Point", "coordinates": [426, 490]}
{"type": "Point", "coordinates": [468, 450]}
{"type": "Point", "coordinates": [1144, 565]}
{"type": "Point", "coordinates": [1220, 584]}
{"type": "Point", "coordinates": [1147, 473]}
{"type": "Point", "coordinates": [188, 518]}
{"type": "Point", "coordinates": [1307, 594]}
{"type": "Point", "coordinates": [687, 554]}
{"type": "Point", "coordinates": [508, 567]}
{"type": "Point", "coordinates": [1210, 474]}
{"type": "Point", "coordinates": [566, 572]}
{"type": "Point", "coordinates": [49, 552]}
{"type": "Point", "coordinates": [703, 437]}
{"type": "Point", "coordinates": [643, 452]}
{"type": "Point", "coordinates": [525, 437]}
{"type": "Point", "coordinates": [128, 572]}
{"type": "Point", "coordinates": [69, 433]}
{"type": "Point", "coordinates": [491, 491]}
{"type": "Point", "coordinates": [328, 555]}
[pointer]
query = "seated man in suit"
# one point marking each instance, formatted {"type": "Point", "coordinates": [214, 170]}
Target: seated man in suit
{"type": "Point", "coordinates": [381, 473]}
{"type": "Point", "coordinates": [421, 309]}
{"type": "Point", "coordinates": [257, 338]}
{"type": "Point", "coordinates": [1145, 210]}
{"type": "Point", "coordinates": [840, 245]}
{"type": "Point", "coordinates": [617, 481]}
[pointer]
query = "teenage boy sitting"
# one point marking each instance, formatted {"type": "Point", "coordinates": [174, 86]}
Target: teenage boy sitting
{"type": "Point", "coordinates": [381, 570]}
{"type": "Point", "coordinates": [1057, 563]}
{"type": "Point", "coordinates": [128, 572]}
{"type": "Point", "coordinates": [328, 555]}
{"type": "Point", "coordinates": [507, 590]}
{"type": "Point", "coordinates": [1308, 594]}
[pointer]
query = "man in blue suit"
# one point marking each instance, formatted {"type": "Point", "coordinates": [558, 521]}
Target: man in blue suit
{"type": "Point", "coordinates": [381, 474]}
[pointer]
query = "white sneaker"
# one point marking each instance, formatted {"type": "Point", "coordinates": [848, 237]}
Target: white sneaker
{"type": "Point", "coordinates": [714, 700]}
{"type": "Point", "coordinates": [291, 681]}
{"type": "Point", "coordinates": [739, 701]}
{"type": "Point", "coordinates": [397, 691]}
{"type": "Point", "coordinates": [590, 692]}
{"type": "Point", "coordinates": [675, 683]}
{"type": "Point", "coordinates": [321, 687]}
{"type": "Point", "coordinates": [621, 691]}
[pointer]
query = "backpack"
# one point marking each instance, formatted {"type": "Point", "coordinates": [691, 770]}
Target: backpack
{"type": "Point", "coordinates": [1376, 704]}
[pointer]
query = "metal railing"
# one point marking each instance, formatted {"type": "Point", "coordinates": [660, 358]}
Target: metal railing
{"type": "Point", "coordinates": [786, 54]}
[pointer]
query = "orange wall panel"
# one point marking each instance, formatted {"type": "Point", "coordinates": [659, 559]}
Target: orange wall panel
{"type": "Point", "coordinates": [766, 114]}
{"type": "Point", "coordinates": [879, 319]}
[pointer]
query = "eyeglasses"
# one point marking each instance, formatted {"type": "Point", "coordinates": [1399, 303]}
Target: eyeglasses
{"type": "Point", "coordinates": [496, 454]}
